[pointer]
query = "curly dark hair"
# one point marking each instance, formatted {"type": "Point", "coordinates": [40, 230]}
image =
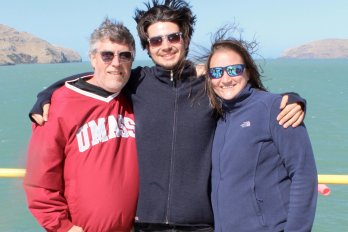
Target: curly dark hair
{"type": "Point", "coordinates": [175, 11]}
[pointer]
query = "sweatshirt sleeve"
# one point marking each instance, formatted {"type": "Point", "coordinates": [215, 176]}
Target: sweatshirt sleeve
{"type": "Point", "coordinates": [43, 183]}
{"type": "Point", "coordinates": [295, 149]}
{"type": "Point", "coordinates": [44, 96]}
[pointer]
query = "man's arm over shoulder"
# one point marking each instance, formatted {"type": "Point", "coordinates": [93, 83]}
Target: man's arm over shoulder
{"type": "Point", "coordinates": [292, 110]}
{"type": "Point", "coordinates": [44, 97]}
{"type": "Point", "coordinates": [296, 98]}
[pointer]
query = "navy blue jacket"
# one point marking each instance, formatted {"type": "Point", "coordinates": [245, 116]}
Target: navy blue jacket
{"type": "Point", "coordinates": [174, 133]}
{"type": "Point", "coordinates": [264, 177]}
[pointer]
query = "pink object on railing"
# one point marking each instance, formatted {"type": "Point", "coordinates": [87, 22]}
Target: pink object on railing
{"type": "Point", "coordinates": [323, 189]}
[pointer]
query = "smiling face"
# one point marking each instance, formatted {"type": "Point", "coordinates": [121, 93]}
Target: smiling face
{"type": "Point", "coordinates": [111, 76]}
{"type": "Point", "coordinates": [167, 54]}
{"type": "Point", "coordinates": [228, 87]}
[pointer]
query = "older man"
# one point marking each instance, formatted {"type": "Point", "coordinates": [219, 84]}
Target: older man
{"type": "Point", "coordinates": [82, 169]}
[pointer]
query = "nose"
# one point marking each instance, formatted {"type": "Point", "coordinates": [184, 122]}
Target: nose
{"type": "Point", "coordinates": [115, 61]}
{"type": "Point", "coordinates": [165, 43]}
{"type": "Point", "coordinates": [225, 77]}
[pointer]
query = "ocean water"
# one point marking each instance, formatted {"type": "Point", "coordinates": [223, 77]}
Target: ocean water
{"type": "Point", "coordinates": [323, 83]}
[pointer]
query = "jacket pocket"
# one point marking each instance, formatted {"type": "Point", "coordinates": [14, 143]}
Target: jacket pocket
{"type": "Point", "coordinates": [257, 203]}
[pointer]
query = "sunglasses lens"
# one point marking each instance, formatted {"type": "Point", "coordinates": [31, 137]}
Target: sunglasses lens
{"type": "Point", "coordinates": [216, 73]}
{"type": "Point", "coordinates": [174, 38]}
{"type": "Point", "coordinates": [125, 56]}
{"type": "Point", "coordinates": [107, 56]}
{"type": "Point", "coordinates": [235, 70]}
{"type": "Point", "coordinates": [155, 41]}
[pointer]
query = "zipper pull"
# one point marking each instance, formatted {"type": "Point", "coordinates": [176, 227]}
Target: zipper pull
{"type": "Point", "coordinates": [171, 76]}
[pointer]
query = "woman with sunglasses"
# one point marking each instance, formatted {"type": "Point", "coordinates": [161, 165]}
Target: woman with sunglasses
{"type": "Point", "coordinates": [264, 177]}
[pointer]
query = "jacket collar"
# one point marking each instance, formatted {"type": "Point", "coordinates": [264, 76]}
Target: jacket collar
{"type": "Point", "coordinates": [239, 100]}
{"type": "Point", "coordinates": [174, 75]}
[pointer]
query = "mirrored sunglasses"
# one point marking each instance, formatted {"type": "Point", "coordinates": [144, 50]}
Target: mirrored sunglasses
{"type": "Point", "coordinates": [124, 57]}
{"type": "Point", "coordinates": [232, 70]}
{"type": "Point", "coordinates": [172, 38]}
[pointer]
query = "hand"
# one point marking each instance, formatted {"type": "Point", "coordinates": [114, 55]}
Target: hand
{"type": "Point", "coordinates": [76, 229]}
{"type": "Point", "coordinates": [291, 115]}
{"type": "Point", "coordinates": [41, 119]}
{"type": "Point", "coordinates": [200, 70]}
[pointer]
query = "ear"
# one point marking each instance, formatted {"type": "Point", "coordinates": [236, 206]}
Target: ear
{"type": "Point", "coordinates": [187, 43]}
{"type": "Point", "coordinates": [247, 74]}
{"type": "Point", "coordinates": [148, 50]}
{"type": "Point", "coordinates": [93, 57]}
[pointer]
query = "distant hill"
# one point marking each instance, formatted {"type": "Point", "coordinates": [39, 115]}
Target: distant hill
{"type": "Point", "coordinates": [23, 48]}
{"type": "Point", "coordinates": [321, 49]}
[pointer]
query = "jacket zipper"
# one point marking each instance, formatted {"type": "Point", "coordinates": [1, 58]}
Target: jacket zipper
{"type": "Point", "coordinates": [173, 147]}
{"type": "Point", "coordinates": [220, 157]}
{"type": "Point", "coordinates": [171, 76]}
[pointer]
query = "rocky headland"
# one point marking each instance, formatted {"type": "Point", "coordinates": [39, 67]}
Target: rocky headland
{"type": "Point", "coordinates": [321, 49]}
{"type": "Point", "coordinates": [23, 48]}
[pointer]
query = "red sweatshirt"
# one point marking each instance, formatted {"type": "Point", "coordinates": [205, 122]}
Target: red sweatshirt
{"type": "Point", "coordinates": [82, 164]}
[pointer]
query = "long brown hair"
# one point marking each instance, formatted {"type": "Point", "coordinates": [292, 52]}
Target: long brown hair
{"type": "Point", "coordinates": [240, 47]}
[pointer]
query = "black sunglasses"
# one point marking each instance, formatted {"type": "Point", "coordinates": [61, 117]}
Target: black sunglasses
{"type": "Point", "coordinates": [172, 38]}
{"type": "Point", "coordinates": [232, 70]}
{"type": "Point", "coordinates": [124, 57]}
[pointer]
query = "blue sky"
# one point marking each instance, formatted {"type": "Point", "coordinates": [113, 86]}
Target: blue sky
{"type": "Point", "coordinates": [275, 24]}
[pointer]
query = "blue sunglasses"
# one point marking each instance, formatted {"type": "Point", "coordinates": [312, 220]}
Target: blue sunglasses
{"type": "Point", "coordinates": [232, 70]}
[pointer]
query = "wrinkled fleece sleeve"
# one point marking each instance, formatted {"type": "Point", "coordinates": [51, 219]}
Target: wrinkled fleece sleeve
{"type": "Point", "coordinates": [44, 96]}
{"type": "Point", "coordinates": [43, 182]}
{"type": "Point", "coordinates": [295, 149]}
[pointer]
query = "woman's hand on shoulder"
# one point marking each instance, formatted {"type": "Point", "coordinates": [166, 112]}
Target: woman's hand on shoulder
{"type": "Point", "coordinates": [200, 70]}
